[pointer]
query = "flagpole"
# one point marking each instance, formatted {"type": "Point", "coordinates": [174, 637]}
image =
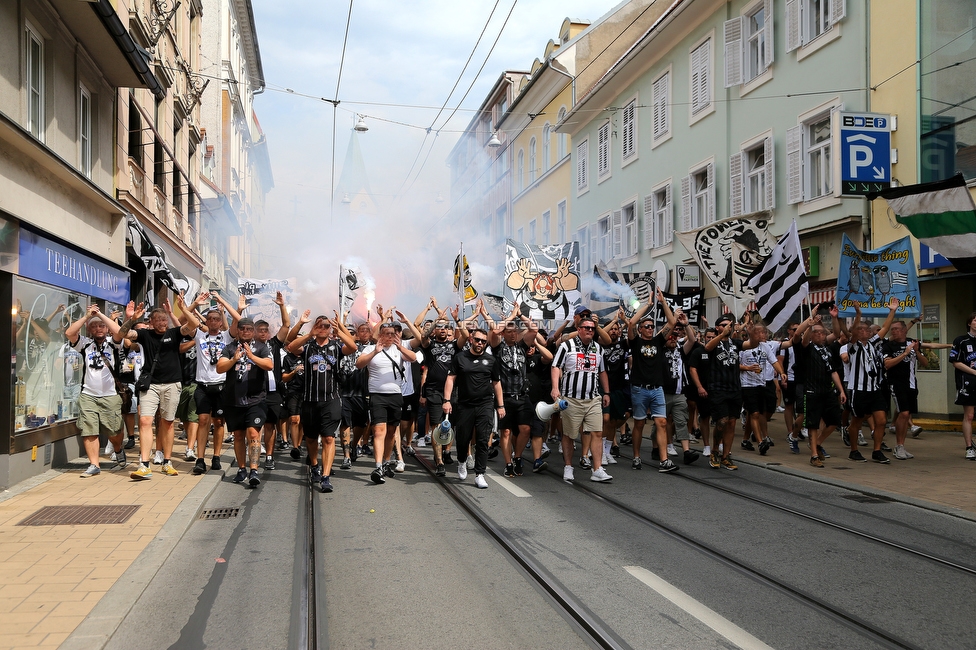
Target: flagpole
{"type": "Point", "coordinates": [461, 279]}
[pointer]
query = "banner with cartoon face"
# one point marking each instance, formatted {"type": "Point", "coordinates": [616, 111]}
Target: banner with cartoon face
{"type": "Point", "coordinates": [260, 296]}
{"type": "Point", "coordinates": [543, 280]}
{"type": "Point", "coordinates": [868, 279]}
{"type": "Point", "coordinates": [470, 293]}
{"type": "Point", "coordinates": [728, 251]}
{"type": "Point", "coordinates": [611, 290]}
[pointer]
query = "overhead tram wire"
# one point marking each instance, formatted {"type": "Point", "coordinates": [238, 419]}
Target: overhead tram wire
{"type": "Point", "coordinates": [335, 104]}
{"type": "Point", "coordinates": [444, 105]}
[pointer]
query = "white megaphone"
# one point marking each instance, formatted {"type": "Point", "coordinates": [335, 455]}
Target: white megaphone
{"type": "Point", "coordinates": [545, 411]}
{"type": "Point", "coordinates": [443, 433]}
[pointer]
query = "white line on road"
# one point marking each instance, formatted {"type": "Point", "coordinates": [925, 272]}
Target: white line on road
{"type": "Point", "coordinates": [507, 484]}
{"type": "Point", "coordinates": [709, 617]}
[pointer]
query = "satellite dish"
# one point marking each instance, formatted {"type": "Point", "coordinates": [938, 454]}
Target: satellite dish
{"type": "Point", "coordinates": [661, 275]}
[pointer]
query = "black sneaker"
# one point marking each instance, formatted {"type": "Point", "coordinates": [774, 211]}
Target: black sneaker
{"type": "Point", "coordinates": [492, 452]}
{"type": "Point", "coordinates": [763, 447]}
{"type": "Point", "coordinates": [857, 457]}
{"type": "Point", "coordinates": [120, 459]}
{"type": "Point", "coordinates": [241, 475]}
{"type": "Point", "coordinates": [585, 462]}
{"type": "Point", "coordinates": [409, 451]}
{"type": "Point", "coordinates": [254, 480]}
{"type": "Point", "coordinates": [440, 471]}
{"type": "Point", "coordinates": [215, 463]}
{"type": "Point", "coordinates": [539, 465]}
{"type": "Point", "coordinates": [747, 444]}
{"type": "Point", "coordinates": [518, 466]}
{"type": "Point", "coordinates": [636, 464]}
{"type": "Point", "coordinates": [389, 469]}
{"type": "Point", "coordinates": [280, 443]}
{"type": "Point", "coordinates": [354, 453]}
{"type": "Point", "coordinates": [626, 439]}
{"type": "Point", "coordinates": [885, 447]}
{"type": "Point", "coordinates": [667, 466]}
{"type": "Point", "coordinates": [200, 466]}
{"type": "Point", "coordinates": [326, 484]}
{"type": "Point", "coordinates": [296, 453]}
{"type": "Point", "coordinates": [269, 463]}
{"type": "Point", "coordinates": [366, 451]}
{"type": "Point", "coordinates": [448, 460]}
{"type": "Point", "coordinates": [510, 471]}
{"type": "Point", "coordinates": [615, 451]}
{"type": "Point", "coordinates": [346, 464]}
{"type": "Point", "coordinates": [846, 438]}
{"type": "Point", "coordinates": [377, 476]}
{"type": "Point", "coordinates": [691, 456]}
{"type": "Point", "coordinates": [879, 457]}
{"type": "Point", "coordinates": [697, 433]}
{"type": "Point", "coordinates": [129, 443]}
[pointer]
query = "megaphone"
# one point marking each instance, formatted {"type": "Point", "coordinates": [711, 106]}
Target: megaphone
{"type": "Point", "coordinates": [545, 411]}
{"type": "Point", "coordinates": [443, 433]}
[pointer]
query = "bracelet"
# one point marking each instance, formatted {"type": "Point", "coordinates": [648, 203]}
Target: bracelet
{"type": "Point", "coordinates": [499, 407]}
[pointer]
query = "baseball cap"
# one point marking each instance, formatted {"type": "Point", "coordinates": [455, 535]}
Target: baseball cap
{"type": "Point", "coordinates": [245, 321]}
{"type": "Point", "coordinates": [582, 309]}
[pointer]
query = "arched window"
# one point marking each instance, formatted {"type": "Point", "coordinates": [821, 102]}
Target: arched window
{"type": "Point", "coordinates": [563, 137]}
{"type": "Point", "coordinates": [521, 170]}
{"type": "Point", "coordinates": [546, 139]}
{"type": "Point", "coordinates": [532, 167]}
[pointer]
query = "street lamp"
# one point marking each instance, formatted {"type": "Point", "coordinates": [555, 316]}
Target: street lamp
{"type": "Point", "coordinates": [494, 142]}
{"type": "Point", "coordinates": [361, 125]}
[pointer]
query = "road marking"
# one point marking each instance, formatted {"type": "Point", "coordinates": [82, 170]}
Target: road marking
{"type": "Point", "coordinates": [508, 484]}
{"type": "Point", "coordinates": [709, 617]}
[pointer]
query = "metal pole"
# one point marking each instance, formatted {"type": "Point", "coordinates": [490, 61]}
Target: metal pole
{"type": "Point", "coordinates": [461, 279]}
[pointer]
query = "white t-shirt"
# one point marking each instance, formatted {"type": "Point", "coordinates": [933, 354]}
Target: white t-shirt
{"type": "Point", "coordinates": [386, 371]}
{"type": "Point", "coordinates": [99, 362]}
{"type": "Point", "coordinates": [209, 348]}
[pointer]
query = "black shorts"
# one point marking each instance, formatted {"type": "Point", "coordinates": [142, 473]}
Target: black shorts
{"type": "Point", "coordinates": [966, 393]}
{"type": "Point", "coordinates": [385, 408]}
{"type": "Point", "coordinates": [821, 406]}
{"type": "Point", "coordinates": [209, 399]}
{"type": "Point", "coordinates": [321, 418]}
{"type": "Point", "coordinates": [355, 411]}
{"type": "Point", "coordinates": [905, 398]}
{"type": "Point", "coordinates": [799, 396]}
{"type": "Point", "coordinates": [240, 418]}
{"type": "Point", "coordinates": [865, 402]}
{"type": "Point", "coordinates": [789, 394]}
{"type": "Point", "coordinates": [411, 407]}
{"type": "Point", "coordinates": [771, 399]}
{"type": "Point", "coordinates": [293, 405]}
{"type": "Point", "coordinates": [517, 413]}
{"type": "Point", "coordinates": [704, 408]}
{"type": "Point", "coordinates": [725, 405]}
{"type": "Point", "coordinates": [435, 406]}
{"type": "Point", "coordinates": [276, 408]}
{"type": "Point", "coordinates": [620, 404]}
{"type": "Point", "coordinates": [754, 399]}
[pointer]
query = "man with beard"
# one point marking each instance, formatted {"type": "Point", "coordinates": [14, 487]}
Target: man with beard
{"type": "Point", "coordinates": [275, 399]}
{"type": "Point", "coordinates": [355, 400]}
{"type": "Point", "coordinates": [510, 346]}
{"type": "Point", "coordinates": [615, 356]}
{"type": "Point", "coordinates": [439, 347]}
{"type": "Point", "coordinates": [210, 384]}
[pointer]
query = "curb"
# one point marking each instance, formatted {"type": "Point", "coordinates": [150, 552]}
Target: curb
{"type": "Point", "coordinates": [98, 627]}
{"type": "Point", "coordinates": [29, 484]}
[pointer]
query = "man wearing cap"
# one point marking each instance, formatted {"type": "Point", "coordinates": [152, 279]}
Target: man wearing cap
{"type": "Point", "coordinates": [439, 347]}
{"type": "Point", "coordinates": [210, 383]}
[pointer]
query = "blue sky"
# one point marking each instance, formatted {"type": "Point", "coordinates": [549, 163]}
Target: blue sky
{"type": "Point", "coordinates": [403, 55]}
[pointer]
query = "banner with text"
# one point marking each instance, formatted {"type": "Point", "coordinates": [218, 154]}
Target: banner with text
{"type": "Point", "coordinates": [869, 279]}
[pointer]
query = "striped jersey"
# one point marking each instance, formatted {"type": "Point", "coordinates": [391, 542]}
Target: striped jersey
{"type": "Point", "coordinates": [867, 365]}
{"type": "Point", "coordinates": [321, 364]}
{"type": "Point", "coordinates": [581, 366]}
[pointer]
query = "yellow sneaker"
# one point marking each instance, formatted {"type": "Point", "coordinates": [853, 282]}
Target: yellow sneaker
{"type": "Point", "coordinates": [168, 469]}
{"type": "Point", "coordinates": [143, 473]}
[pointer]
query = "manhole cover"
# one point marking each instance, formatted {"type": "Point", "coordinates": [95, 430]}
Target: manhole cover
{"type": "Point", "coordinates": [867, 498]}
{"type": "Point", "coordinates": [219, 513]}
{"type": "Point", "coordinates": [79, 515]}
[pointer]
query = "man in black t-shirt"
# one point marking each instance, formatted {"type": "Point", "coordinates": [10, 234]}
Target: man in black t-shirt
{"type": "Point", "coordinates": [275, 420]}
{"type": "Point", "coordinates": [616, 353]}
{"type": "Point", "coordinates": [676, 353]}
{"type": "Point", "coordinates": [354, 391]}
{"type": "Point", "coordinates": [439, 347]}
{"type": "Point", "coordinates": [161, 349]}
{"type": "Point", "coordinates": [293, 374]}
{"type": "Point", "coordinates": [476, 379]}
{"type": "Point", "coordinates": [246, 363]}
{"type": "Point", "coordinates": [510, 346]}
{"type": "Point", "coordinates": [699, 362]}
{"type": "Point", "coordinates": [819, 379]}
{"type": "Point", "coordinates": [963, 359]}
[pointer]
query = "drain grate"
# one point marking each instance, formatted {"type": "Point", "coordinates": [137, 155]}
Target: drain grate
{"type": "Point", "coordinates": [219, 513]}
{"type": "Point", "coordinates": [867, 498]}
{"type": "Point", "coordinates": [79, 515]}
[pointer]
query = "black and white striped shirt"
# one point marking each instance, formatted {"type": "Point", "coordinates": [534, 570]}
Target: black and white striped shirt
{"type": "Point", "coordinates": [321, 364]}
{"type": "Point", "coordinates": [581, 367]}
{"type": "Point", "coordinates": [867, 365]}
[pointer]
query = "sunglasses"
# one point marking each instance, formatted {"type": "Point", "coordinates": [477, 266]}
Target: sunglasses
{"type": "Point", "coordinates": [479, 341]}
{"type": "Point", "coordinates": [587, 327]}
{"type": "Point", "coordinates": [647, 327]}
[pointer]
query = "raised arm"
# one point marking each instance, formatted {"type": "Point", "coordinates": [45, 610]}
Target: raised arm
{"type": "Point", "coordinates": [348, 342]}
{"type": "Point", "coordinates": [892, 308]}
{"type": "Point", "coordinates": [282, 334]}
{"type": "Point", "coordinates": [133, 314]}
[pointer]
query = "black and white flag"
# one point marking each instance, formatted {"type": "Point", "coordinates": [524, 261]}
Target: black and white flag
{"type": "Point", "coordinates": [350, 281]}
{"type": "Point", "coordinates": [780, 282]}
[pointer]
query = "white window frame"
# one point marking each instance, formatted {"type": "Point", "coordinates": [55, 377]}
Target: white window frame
{"type": "Point", "coordinates": [741, 200]}
{"type": "Point", "coordinates": [658, 218]}
{"type": "Point", "coordinates": [628, 132]}
{"type": "Point", "coordinates": [562, 214]}
{"type": "Point", "coordinates": [601, 238]}
{"type": "Point", "coordinates": [797, 147]}
{"type": "Point", "coordinates": [625, 235]}
{"type": "Point", "coordinates": [33, 35]}
{"type": "Point", "coordinates": [798, 36]}
{"type": "Point", "coordinates": [582, 235]}
{"type": "Point", "coordinates": [84, 131]}
{"type": "Point", "coordinates": [546, 147]}
{"type": "Point", "coordinates": [603, 167]}
{"type": "Point", "coordinates": [661, 108]}
{"type": "Point", "coordinates": [533, 170]}
{"type": "Point", "coordinates": [520, 170]}
{"type": "Point", "coordinates": [546, 227]}
{"type": "Point", "coordinates": [692, 217]}
{"type": "Point", "coordinates": [817, 159]}
{"type": "Point", "coordinates": [582, 167]}
{"type": "Point", "coordinates": [520, 237]}
{"type": "Point", "coordinates": [739, 70]}
{"type": "Point", "coordinates": [532, 231]}
{"type": "Point", "coordinates": [562, 143]}
{"type": "Point", "coordinates": [701, 78]}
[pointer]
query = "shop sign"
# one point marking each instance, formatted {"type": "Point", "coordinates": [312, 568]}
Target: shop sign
{"type": "Point", "coordinates": [688, 276]}
{"type": "Point", "coordinates": [47, 261]}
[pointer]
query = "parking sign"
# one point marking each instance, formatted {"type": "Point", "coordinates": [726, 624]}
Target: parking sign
{"type": "Point", "coordinates": [865, 153]}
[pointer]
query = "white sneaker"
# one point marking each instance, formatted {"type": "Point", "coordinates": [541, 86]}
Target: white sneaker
{"type": "Point", "coordinates": [901, 453]}
{"type": "Point", "coordinates": [568, 474]}
{"type": "Point", "coordinates": [264, 452]}
{"type": "Point", "coordinates": [743, 416]}
{"type": "Point", "coordinates": [672, 451]}
{"type": "Point", "coordinates": [427, 439]}
{"type": "Point", "coordinates": [480, 482]}
{"type": "Point", "coordinates": [970, 453]}
{"type": "Point", "coordinates": [109, 449]}
{"type": "Point", "coordinates": [804, 433]}
{"type": "Point", "coordinates": [916, 430]}
{"type": "Point", "coordinates": [470, 461]}
{"type": "Point", "coordinates": [780, 409]}
{"type": "Point", "coordinates": [400, 466]}
{"type": "Point", "coordinates": [420, 442]}
{"type": "Point", "coordinates": [608, 459]}
{"type": "Point", "coordinates": [600, 476]}
{"type": "Point", "coordinates": [861, 442]}
{"type": "Point", "coordinates": [707, 450]}
{"type": "Point", "coordinates": [462, 471]}
{"type": "Point", "coordinates": [115, 457]}
{"type": "Point", "coordinates": [158, 458]}
{"type": "Point", "coordinates": [189, 455]}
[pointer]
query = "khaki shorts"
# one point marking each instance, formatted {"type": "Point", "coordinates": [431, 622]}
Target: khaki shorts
{"type": "Point", "coordinates": [582, 414]}
{"type": "Point", "coordinates": [162, 397]}
{"type": "Point", "coordinates": [97, 414]}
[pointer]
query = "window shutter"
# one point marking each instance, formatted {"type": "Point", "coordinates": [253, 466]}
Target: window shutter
{"type": "Point", "coordinates": [695, 80]}
{"type": "Point", "coordinates": [632, 245]}
{"type": "Point", "coordinates": [603, 149]}
{"type": "Point", "coordinates": [649, 222]}
{"type": "Point", "coordinates": [770, 170]}
{"type": "Point", "coordinates": [660, 102]}
{"type": "Point", "coordinates": [710, 179]}
{"type": "Point", "coordinates": [792, 25]}
{"type": "Point", "coordinates": [735, 184]}
{"type": "Point", "coordinates": [733, 52]}
{"type": "Point", "coordinates": [616, 234]}
{"type": "Point", "coordinates": [582, 151]}
{"type": "Point", "coordinates": [794, 164]}
{"type": "Point", "coordinates": [595, 243]}
{"type": "Point", "coordinates": [770, 43]}
{"type": "Point", "coordinates": [668, 233]}
{"type": "Point", "coordinates": [630, 125]}
{"type": "Point", "coordinates": [686, 204]}
{"type": "Point", "coordinates": [838, 11]}
{"type": "Point", "coordinates": [705, 78]}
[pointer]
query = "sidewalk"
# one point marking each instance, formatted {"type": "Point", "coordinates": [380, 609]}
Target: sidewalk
{"type": "Point", "coordinates": [52, 576]}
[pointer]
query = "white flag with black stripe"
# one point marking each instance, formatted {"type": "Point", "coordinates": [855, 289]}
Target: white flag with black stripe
{"type": "Point", "coordinates": [780, 282]}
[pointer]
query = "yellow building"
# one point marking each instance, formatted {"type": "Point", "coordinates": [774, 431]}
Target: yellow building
{"type": "Point", "coordinates": [934, 139]}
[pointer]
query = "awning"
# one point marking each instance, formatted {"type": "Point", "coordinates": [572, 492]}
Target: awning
{"type": "Point", "coordinates": [156, 262]}
{"type": "Point", "coordinates": [822, 292]}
